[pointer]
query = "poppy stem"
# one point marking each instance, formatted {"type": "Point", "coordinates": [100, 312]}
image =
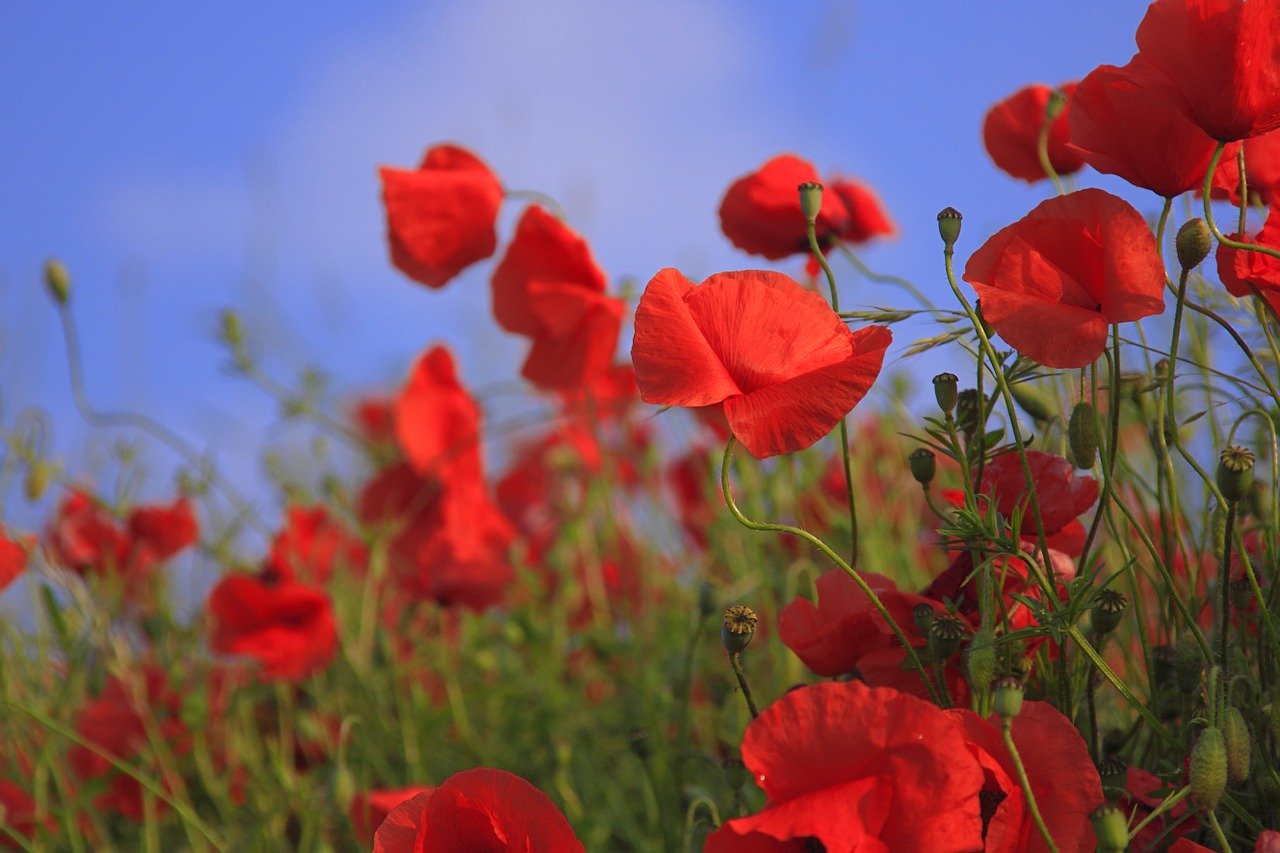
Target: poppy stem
{"type": "Point", "coordinates": [1042, 151]}
{"type": "Point", "coordinates": [1217, 831]}
{"type": "Point", "coordinates": [1224, 580]}
{"type": "Point", "coordinates": [1006, 729]}
{"type": "Point", "coordinates": [736, 662]}
{"type": "Point", "coordinates": [1165, 805]}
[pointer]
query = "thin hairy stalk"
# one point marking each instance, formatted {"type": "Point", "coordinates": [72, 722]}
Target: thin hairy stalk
{"type": "Point", "coordinates": [1006, 730]}
{"type": "Point", "coordinates": [736, 662]}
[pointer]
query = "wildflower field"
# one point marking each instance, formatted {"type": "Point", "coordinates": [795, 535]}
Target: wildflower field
{"type": "Point", "coordinates": [716, 596]}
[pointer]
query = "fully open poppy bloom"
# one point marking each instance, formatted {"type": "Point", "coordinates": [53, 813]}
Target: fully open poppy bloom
{"type": "Point", "coordinates": [785, 368]}
{"type": "Point", "coordinates": [1261, 170]}
{"type": "Point", "coordinates": [1061, 494]}
{"type": "Point", "coordinates": [1121, 126]}
{"type": "Point", "coordinates": [851, 765]}
{"type": "Point", "coordinates": [760, 212]}
{"type": "Point", "coordinates": [549, 289]}
{"type": "Point", "coordinates": [480, 809]}
{"type": "Point", "coordinates": [1011, 134]}
{"type": "Point", "coordinates": [288, 627]}
{"type": "Point", "coordinates": [1222, 61]}
{"type": "Point", "coordinates": [1053, 281]}
{"type": "Point", "coordinates": [437, 423]}
{"type": "Point", "coordinates": [440, 217]}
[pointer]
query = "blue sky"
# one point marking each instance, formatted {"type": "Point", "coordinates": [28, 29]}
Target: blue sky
{"type": "Point", "coordinates": [181, 158]}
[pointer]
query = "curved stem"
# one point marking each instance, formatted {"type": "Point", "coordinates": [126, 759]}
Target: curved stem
{"type": "Point", "coordinates": [1006, 730]}
{"type": "Point", "coordinates": [871, 275]}
{"type": "Point", "coordinates": [1042, 151]}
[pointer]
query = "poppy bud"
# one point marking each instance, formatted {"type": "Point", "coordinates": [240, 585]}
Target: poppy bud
{"type": "Point", "coordinates": [810, 200]}
{"type": "Point", "coordinates": [57, 281]}
{"type": "Point", "coordinates": [1114, 772]}
{"type": "Point", "coordinates": [1111, 828]}
{"type": "Point", "coordinates": [1235, 734]}
{"type": "Point", "coordinates": [1008, 697]}
{"type": "Point", "coordinates": [980, 660]}
{"type": "Point", "coordinates": [1082, 435]}
{"type": "Point", "coordinates": [1208, 772]}
{"type": "Point", "coordinates": [949, 226]}
{"type": "Point", "coordinates": [1194, 242]}
{"type": "Point", "coordinates": [945, 633]}
{"type": "Point", "coordinates": [37, 480]}
{"type": "Point", "coordinates": [944, 391]}
{"type": "Point", "coordinates": [924, 465]}
{"type": "Point", "coordinates": [1108, 607]}
{"type": "Point", "coordinates": [922, 615]}
{"type": "Point", "coordinates": [1188, 663]}
{"type": "Point", "coordinates": [1034, 402]}
{"type": "Point", "coordinates": [1235, 473]}
{"type": "Point", "coordinates": [1055, 105]}
{"type": "Point", "coordinates": [738, 628]}
{"type": "Point", "coordinates": [344, 786]}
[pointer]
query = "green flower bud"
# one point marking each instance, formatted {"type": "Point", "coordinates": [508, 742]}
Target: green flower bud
{"type": "Point", "coordinates": [980, 660]}
{"type": "Point", "coordinates": [945, 391]}
{"type": "Point", "coordinates": [1193, 243]}
{"type": "Point", "coordinates": [1259, 500]}
{"type": "Point", "coordinates": [810, 200]}
{"type": "Point", "coordinates": [37, 482]}
{"type": "Point", "coordinates": [924, 465]}
{"type": "Point", "coordinates": [1235, 735]}
{"type": "Point", "coordinates": [1056, 104]}
{"type": "Point", "coordinates": [1209, 769]}
{"type": "Point", "coordinates": [1008, 697]}
{"type": "Point", "coordinates": [1034, 402]}
{"type": "Point", "coordinates": [57, 281]}
{"type": "Point", "coordinates": [949, 226]}
{"type": "Point", "coordinates": [1082, 435]}
{"type": "Point", "coordinates": [1235, 473]}
{"type": "Point", "coordinates": [344, 787]}
{"type": "Point", "coordinates": [1108, 607]}
{"type": "Point", "coordinates": [1111, 828]}
{"type": "Point", "coordinates": [738, 628]}
{"type": "Point", "coordinates": [945, 633]}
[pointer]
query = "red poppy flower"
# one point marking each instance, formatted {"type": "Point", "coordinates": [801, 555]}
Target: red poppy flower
{"type": "Point", "coordinates": [375, 419]}
{"type": "Point", "coordinates": [19, 810]}
{"type": "Point", "coordinates": [164, 530]}
{"type": "Point", "coordinates": [549, 288]}
{"type": "Point", "coordinates": [1268, 841]}
{"type": "Point", "coordinates": [852, 765]}
{"type": "Point", "coordinates": [1139, 801]}
{"type": "Point", "coordinates": [1063, 779]}
{"type": "Point", "coordinates": [784, 366]}
{"type": "Point", "coordinates": [1061, 494]}
{"type": "Point", "coordinates": [480, 809]}
{"type": "Point", "coordinates": [440, 218]}
{"type": "Point", "coordinates": [1222, 60]}
{"type": "Point", "coordinates": [1241, 270]}
{"type": "Point", "coordinates": [760, 212]}
{"type": "Point", "coordinates": [313, 543]}
{"type": "Point", "coordinates": [370, 808]}
{"type": "Point", "coordinates": [13, 560]}
{"type": "Point", "coordinates": [437, 422]}
{"type": "Point", "coordinates": [1261, 170]}
{"type": "Point", "coordinates": [1011, 134]}
{"type": "Point", "coordinates": [1121, 126]}
{"type": "Point", "coordinates": [1053, 281]}
{"type": "Point", "coordinates": [287, 626]}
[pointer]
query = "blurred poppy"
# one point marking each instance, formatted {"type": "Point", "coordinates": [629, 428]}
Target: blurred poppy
{"type": "Point", "coordinates": [479, 809]}
{"type": "Point", "coordinates": [1061, 494]}
{"type": "Point", "coordinates": [164, 530]}
{"type": "Point", "coordinates": [1121, 128]}
{"type": "Point", "coordinates": [13, 560]}
{"type": "Point", "coordinates": [760, 212]}
{"type": "Point", "coordinates": [784, 367]}
{"type": "Point", "coordinates": [441, 216]}
{"type": "Point", "coordinates": [437, 422]}
{"type": "Point", "coordinates": [549, 289]}
{"type": "Point", "coordinates": [1242, 270]}
{"type": "Point", "coordinates": [288, 627]}
{"type": "Point", "coordinates": [855, 767]}
{"type": "Point", "coordinates": [312, 543]}
{"type": "Point", "coordinates": [1221, 59]}
{"type": "Point", "coordinates": [1052, 282]}
{"type": "Point", "coordinates": [1011, 134]}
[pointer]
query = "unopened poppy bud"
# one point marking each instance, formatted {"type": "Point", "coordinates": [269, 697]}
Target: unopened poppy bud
{"type": "Point", "coordinates": [949, 226]}
{"type": "Point", "coordinates": [1235, 473]}
{"type": "Point", "coordinates": [924, 465]}
{"type": "Point", "coordinates": [37, 480]}
{"type": "Point", "coordinates": [1188, 663]}
{"type": "Point", "coordinates": [810, 200]}
{"type": "Point", "coordinates": [1208, 772]}
{"type": "Point", "coordinates": [738, 628]}
{"type": "Point", "coordinates": [945, 633]}
{"type": "Point", "coordinates": [344, 787]}
{"type": "Point", "coordinates": [57, 281]}
{"type": "Point", "coordinates": [980, 660]}
{"type": "Point", "coordinates": [1194, 242]}
{"type": "Point", "coordinates": [1008, 697]}
{"type": "Point", "coordinates": [1108, 607]}
{"type": "Point", "coordinates": [945, 391]}
{"type": "Point", "coordinates": [1056, 104]}
{"type": "Point", "coordinates": [1082, 435]}
{"type": "Point", "coordinates": [1114, 772]}
{"type": "Point", "coordinates": [1235, 735]}
{"type": "Point", "coordinates": [1034, 402]}
{"type": "Point", "coordinates": [1111, 828]}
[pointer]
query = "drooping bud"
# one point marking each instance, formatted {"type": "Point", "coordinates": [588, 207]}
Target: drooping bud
{"type": "Point", "coordinates": [1194, 243]}
{"type": "Point", "coordinates": [810, 200]}
{"type": "Point", "coordinates": [1235, 473]}
{"type": "Point", "coordinates": [1082, 435]}
{"type": "Point", "coordinates": [1034, 402]}
{"type": "Point", "coordinates": [1235, 734]}
{"type": "Point", "coordinates": [949, 226]}
{"type": "Point", "coordinates": [923, 464]}
{"type": "Point", "coordinates": [922, 616]}
{"type": "Point", "coordinates": [738, 628]}
{"type": "Point", "coordinates": [1108, 607]}
{"type": "Point", "coordinates": [1208, 772]}
{"type": "Point", "coordinates": [57, 281]}
{"type": "Point", "coordinates": [945, 633]}
{"type": "Point", "coordinates": [1111, 828]}
{"type": "Point", "coordinates": [1008, 697]}
{"type": "Point", "coordinates": [945, 391]}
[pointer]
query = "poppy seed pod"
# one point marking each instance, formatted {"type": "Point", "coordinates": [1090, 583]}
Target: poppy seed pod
{"type": "Point", "coordinates": [1082, 435]}
{"type": "Point", "coordinates": [57, 281]}
{"type": "Point", "coordinates": [923, 464]}
{"type": "Point", "coordinates": [810, 200]}
{"type": "Point", "coordinates": [1008, 697]}
{"type": "Point", "coordinates": [922, 616]}
{"type": "Point", "coordinates": [1111, 827]}
{"type": "Point", "coordinates": [1108, 607]}
{"type": "Point", "coordinates": [945, 633]}
{"type": "Point", "coordinates": [738, 628]}
{"type": "Point", "coordinates": [1194, 243]}
{"type": "Point", "coordinates": [1235, 473]}
{"type": "Point", "coordinates": [1113, 771]}
{"type": "Point", "coordinates": [949, 226]}
{"type": "Point", "coordinates": [945, 391]}
{"type": "Point", "coordinates": [1208, 771]}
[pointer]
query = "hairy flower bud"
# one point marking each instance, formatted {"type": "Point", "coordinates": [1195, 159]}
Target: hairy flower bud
{"type": "Point", "coordinates": [738, 628]}
{"type": "Point", "coordinates": [1108, 607]}
{"type": "Point", "coordinates": [1208, 772]}
{"type": "Point", "coordinates": [1193, 243]}
{"type": "Point", "coordinates": [1235, 735]}
{"type": "Point", "coordinates": [980, 660]}
{"type": "Point", "coordinates": [57, 281]}
{"type": "Point", "coordinates": [923, 464]}
{"type": "Point", "coordinates": [1111, 828]}
{"type": "Point", "coordinates": [1034, 402]}
{"type": "Point", "coordinates": [1082, 435]}
{"type": "Point", "coordinates": [1235, 473]}
{"type": "Point", "coordinates": [949, 226]}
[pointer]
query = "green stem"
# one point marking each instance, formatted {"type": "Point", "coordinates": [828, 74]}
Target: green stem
{"type": "Point", "coordinates": [736, 662]}
{"type": "Point", "coordinates": [1217, 831]}
{"type": "Point", "coordinates": [1006, 729]}
{"type": "Point", "coordinates": [1165, 805]}
{"type": "Point", "coordinates": [1224, 580]}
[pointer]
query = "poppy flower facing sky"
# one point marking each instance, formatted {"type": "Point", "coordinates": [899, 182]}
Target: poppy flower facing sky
{"type": "Point", "coordinates": [441, 216]}
{"type": "Point", "coordinates": [785, 368]}
{"type": "Point", "coordinates": [1011, 134]}
{"type": "Point", "coordinates": [1052, 282]}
